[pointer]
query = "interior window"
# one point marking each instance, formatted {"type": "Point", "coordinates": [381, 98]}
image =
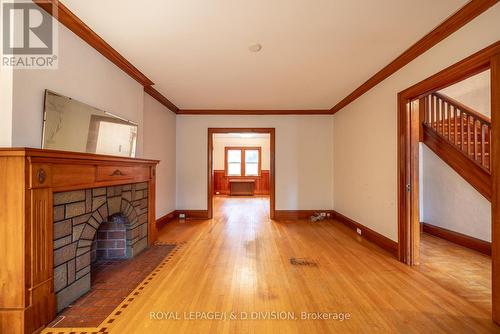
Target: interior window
{"type": "Point", "coordinates": [251, 162]}
{"type": "Point", "coordinates": [243, 161]}
{"type": "Point", "coordinates": [234, 162]}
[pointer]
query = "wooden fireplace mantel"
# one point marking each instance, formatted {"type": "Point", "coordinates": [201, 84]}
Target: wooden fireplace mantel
{"type": "Point", "coordinates": [28, 179]}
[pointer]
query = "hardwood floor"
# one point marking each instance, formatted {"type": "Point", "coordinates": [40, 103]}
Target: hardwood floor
{"type": "Point", "coordinates": [240, 262]}
{"type": "Point", "coordinates": [462, 271]}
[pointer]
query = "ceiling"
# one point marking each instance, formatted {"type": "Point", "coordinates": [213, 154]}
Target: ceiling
{"type": "Point", "coordinates": [314, 53]}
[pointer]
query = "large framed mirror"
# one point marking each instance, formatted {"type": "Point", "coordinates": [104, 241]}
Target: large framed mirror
{"type": "Point", "coordinates": [71, 125]}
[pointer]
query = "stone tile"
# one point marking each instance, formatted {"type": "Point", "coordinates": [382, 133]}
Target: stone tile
{"type": "Point", "coordinates": [94, 223]}
{"type": "Point", "coordinates": [72, 292]}
{"type": "Point", "coordinates": [143, 219]}
{"type": "Point", "coordinates": [127, 195]}
{"type": "Point", "coordinates": [82, 261]}
{"type": "Point", "coordinates": [71, 271]}
{"type": "Point", "coordinates": [62, 228]}
{"type": "Point", "coordinates": [82, 272]}
{"type": "Point", "coordinates": [88, 200]}
{"type": "Point", "coordinates": [81, 219]}
{"type": "Point", "coordinates": [97, 202]}
{"type": "Point", "coordinates": [98, 191]}
{"type": "Point", "coordinates": [64, 254]}
{"type": "Point", "coordinates": [143, 230]}
{"type": "Point", "coordinates": [62, 242]}
{"type": "Point", "coordinates": [82, 250]}
{"type": "Point", "coordinates": [58, 213]}
{"type": "Point", "coordinates": [97, 216]}
{"type": "Point", "coordinates": [84, 243]}
{"type": "Point", "coordinates": [77, 231]}
{"type": "Point", "coordinates": [75, 209]}
{"type": "Point", "coordinates": [69, 197]}
{"type": "Point", "coordinates": [88, 232]}
{"type": "Point", "coordinates": [137, 195]}
{"type": "Point", "coordinates": [114, 205]}
{"type": "Point", "coordinates": [103, 211]}
{"type": "Point", "coordinates": [60, 277]}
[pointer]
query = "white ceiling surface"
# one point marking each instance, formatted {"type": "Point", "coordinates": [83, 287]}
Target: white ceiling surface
{"type": "Point", "coordinates": [313, 54]}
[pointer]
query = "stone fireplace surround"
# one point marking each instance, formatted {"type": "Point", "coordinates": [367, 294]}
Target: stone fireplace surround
{"type": "Point", "coordinates": [77, 216]}
{"type": "Point", "coordinates": [30, 177]}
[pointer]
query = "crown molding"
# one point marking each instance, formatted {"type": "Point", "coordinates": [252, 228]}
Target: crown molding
{"type": "Point", "coordinates": [253, 112]}
{"type": "Point", "coordinates": [160, 98]}
{"type": "Point", "coordinates": [456, 21]}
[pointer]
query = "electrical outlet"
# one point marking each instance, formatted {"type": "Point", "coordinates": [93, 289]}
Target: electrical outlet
{"type": "Point", "coordinates": [323, 214]}
{"type": "Point", "coordinates": [182, 216]}
{"type": "Point", "coordinates": [328, 214]}
{"type": "Point", "coordinates": [358, 231]}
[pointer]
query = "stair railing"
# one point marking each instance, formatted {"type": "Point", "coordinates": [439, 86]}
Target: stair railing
{"type": "Point", "coordinates": [463, 127]}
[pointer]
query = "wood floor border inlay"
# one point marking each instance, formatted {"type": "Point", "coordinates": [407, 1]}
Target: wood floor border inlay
{"type": "Point", "coordinates": [104, 327]}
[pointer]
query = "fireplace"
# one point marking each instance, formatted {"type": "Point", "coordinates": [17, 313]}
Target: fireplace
{"type": "Point", "coordinates": [91, 224]}
{"type": "Point", "coordinates": [55, 203]}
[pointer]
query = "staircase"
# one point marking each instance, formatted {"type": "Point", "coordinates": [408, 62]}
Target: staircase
{"type": "Point", "coordinates": [461, 137]}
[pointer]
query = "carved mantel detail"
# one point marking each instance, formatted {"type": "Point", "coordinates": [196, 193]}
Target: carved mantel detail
{"type": "Point", "coordinates": [29, 178]}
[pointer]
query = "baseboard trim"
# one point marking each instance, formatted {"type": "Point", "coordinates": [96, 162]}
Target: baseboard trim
{"type": "Point", "coordinates": [463, 240]}
{"type": "Point", "coordinates": [380, 240]}
{"type": "Point", "coordinates": [164, 220]}
{"type": "Point", "coordinates": [297, 214]}
{"type": "Point", "coordinates": [193, 214]}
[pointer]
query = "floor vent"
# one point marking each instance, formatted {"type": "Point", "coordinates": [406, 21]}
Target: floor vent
{"type": "Point", "coordinates": [302, 262]}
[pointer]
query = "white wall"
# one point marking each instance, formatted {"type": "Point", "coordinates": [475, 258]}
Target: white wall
{"type": "Point", "coordinates": [221, 141]}
{"type": "Point", "coordinates": [304, 158]}
{"type": "Point", "coordinates": [451, 202]}
{"type": "Point", "coordinates": [6, 82]}
{"type": "Point", "coordinates": [365, 132]}
{"type": "Point", "coordinates": [474, 92]}
{"type": "Point", "coordinates": [83, 74]}
{"type": "Point", "coordinates": [159, 143]}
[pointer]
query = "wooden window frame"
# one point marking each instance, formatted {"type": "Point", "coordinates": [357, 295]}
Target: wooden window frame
{"type": "Point", "coordinates": [243, 150]}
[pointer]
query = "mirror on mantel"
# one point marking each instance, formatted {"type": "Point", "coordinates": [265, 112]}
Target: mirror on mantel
{"type": "Point", "coordinates": [70, 125]}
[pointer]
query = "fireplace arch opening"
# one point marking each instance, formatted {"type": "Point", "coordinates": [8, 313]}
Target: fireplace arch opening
{"type": "Point", "coordinates": [84, 220]}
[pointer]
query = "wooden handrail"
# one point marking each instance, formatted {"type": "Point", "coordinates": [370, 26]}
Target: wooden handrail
{"type": "Point", "coordinates": [463, 127]}
{"type": "Point", "coordinates": [464, 108]}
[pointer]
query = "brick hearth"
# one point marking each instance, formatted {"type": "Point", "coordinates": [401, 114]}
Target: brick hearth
{"type": "Point", "coordinates": [77, 217]}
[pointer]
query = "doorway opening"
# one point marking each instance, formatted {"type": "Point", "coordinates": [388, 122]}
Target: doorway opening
{"type": "Point", "coordinates": [448, 134]}
{"type": "Point", "coordinates": [241, 168]}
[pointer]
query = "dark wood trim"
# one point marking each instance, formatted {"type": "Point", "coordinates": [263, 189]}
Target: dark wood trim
{"type": "Point", "coordinates": [380, 240]}
{"type": "Point", "coordinates": [165, 219]}
{"type": "Point", "coordinates": [59, 11]}
{"type": "Point", "coordinates": [252, 112]}
{"type": "Point", "coordinates": [162, 99]}
{"type": "Point", "coordinates": [193, 214]}
{"type": "Point", "coordinates": [477, 176]}
{"type": "Point", "coordinates": [495, 169]}
{"type": "Point", "coordinates": [456, 21]}
{"type": "Point", "coordinates": [458, 238]}
{"type": "Point", "coordinates": [283, 215]}
{"type": "Point", "coordinates": [272, 168]}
